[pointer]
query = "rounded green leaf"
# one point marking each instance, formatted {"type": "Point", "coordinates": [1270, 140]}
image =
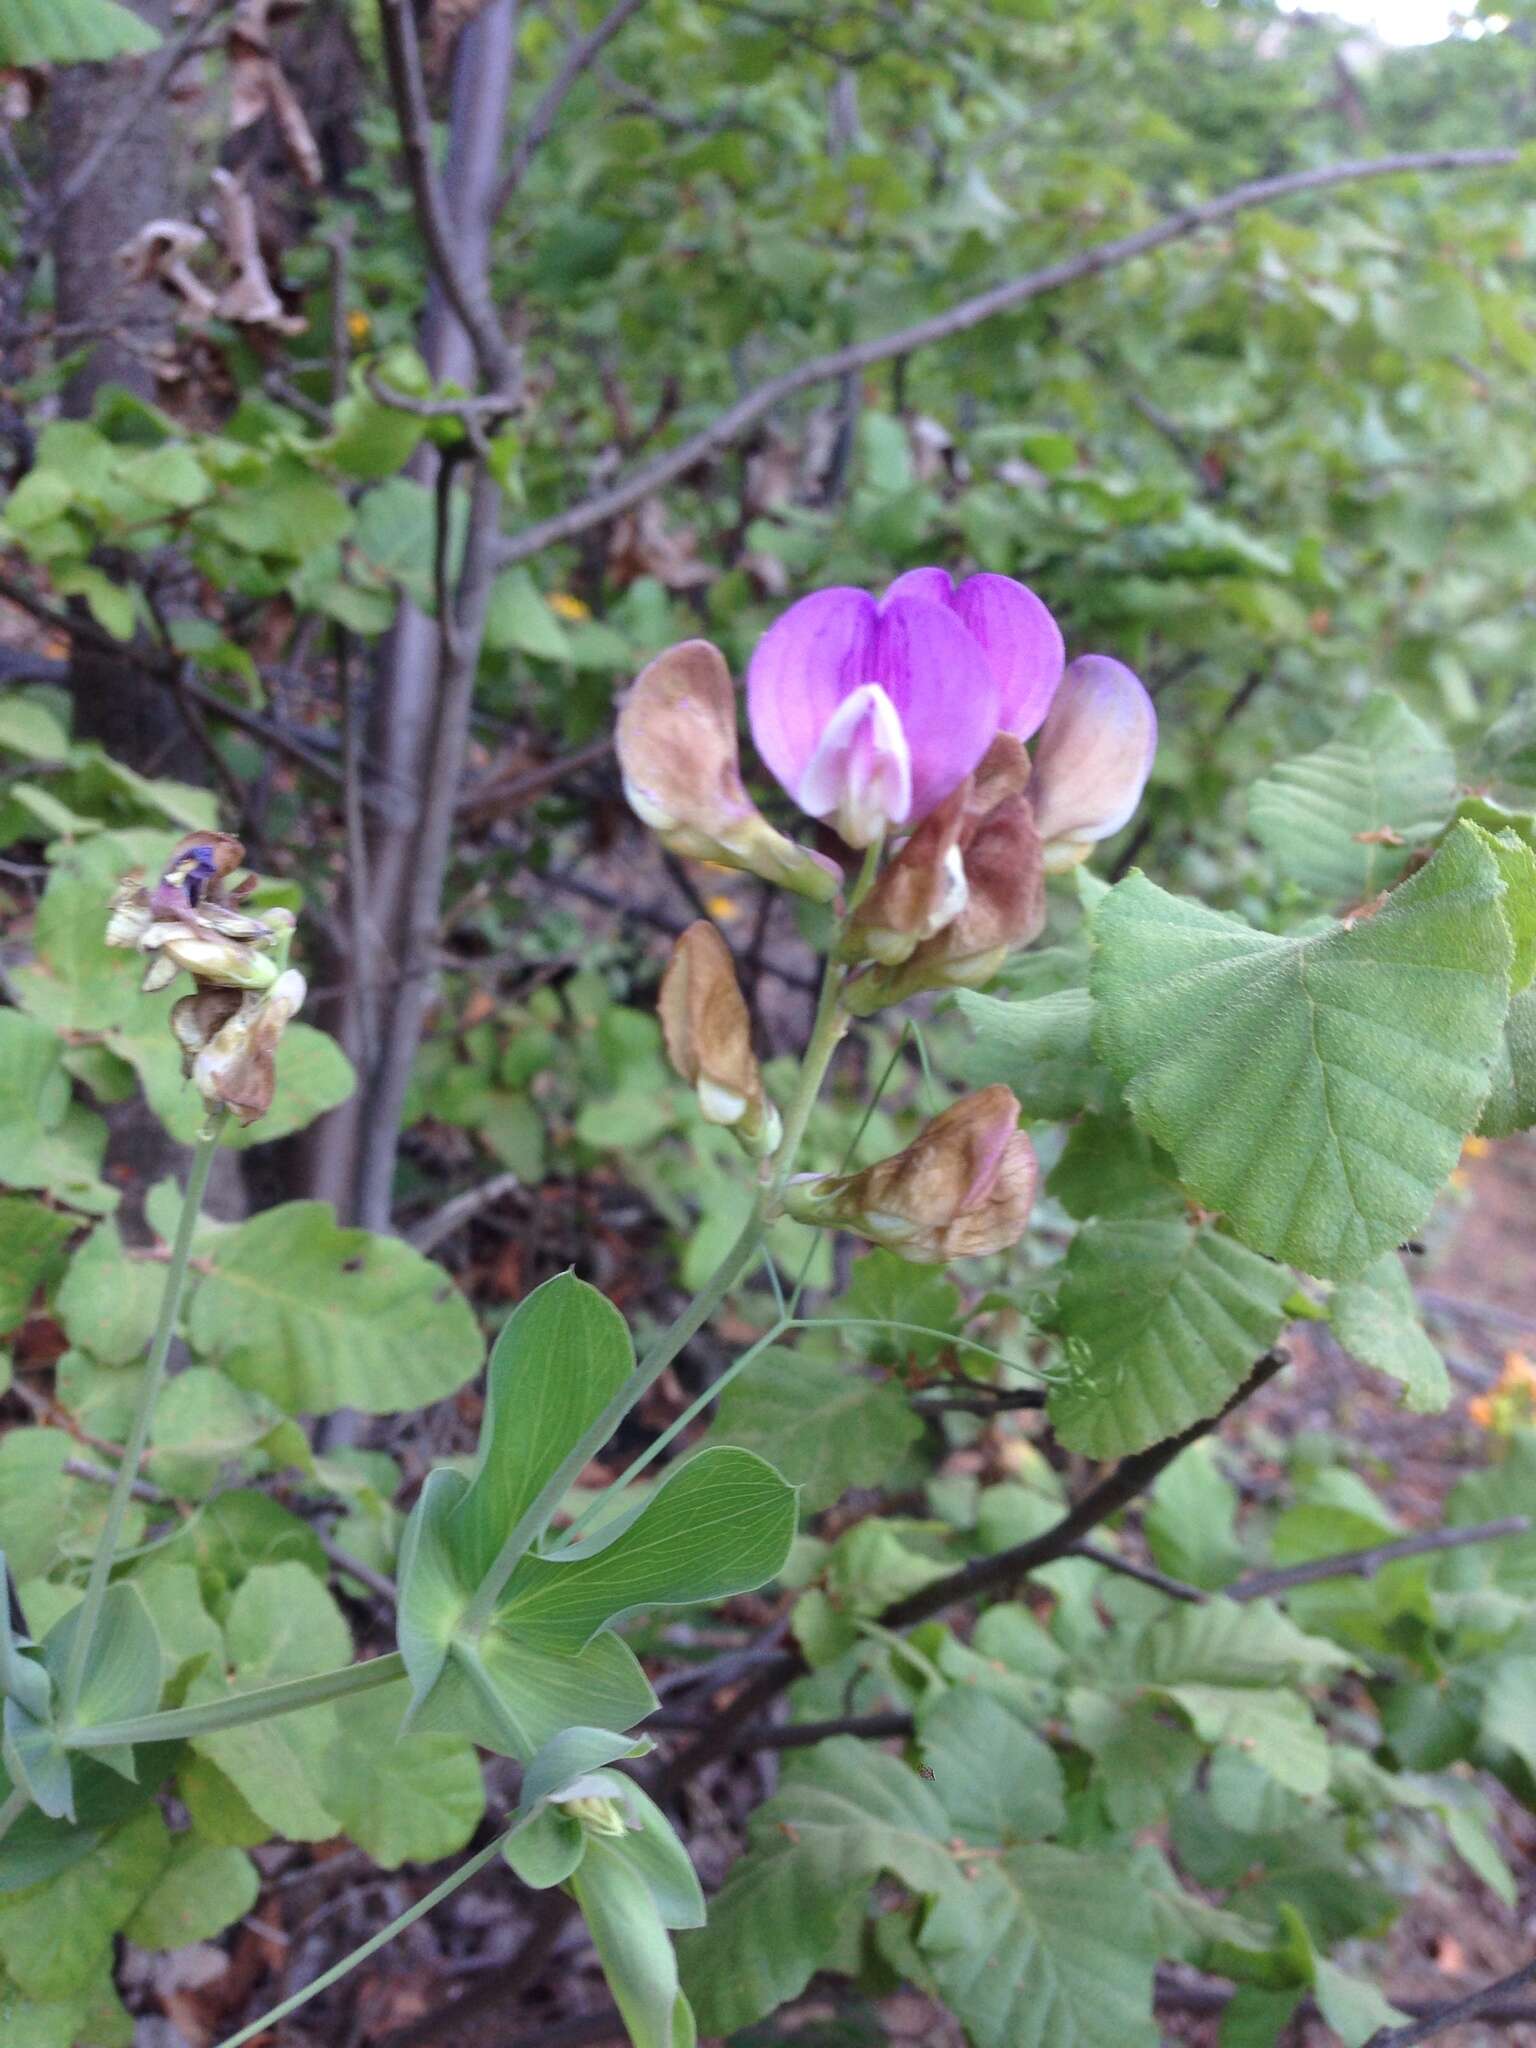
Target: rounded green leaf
{"type": "Point", "coordinates": [316, 1317]}
{"type": "Point", "coordinates": [1315, 1090]}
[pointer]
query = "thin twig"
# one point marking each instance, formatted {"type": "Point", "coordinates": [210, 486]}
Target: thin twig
{"type": "Point", "coordinates": [437, 1228]}
{"type": "Point", "coordinates": [495, 796]}
{"type": "Point", "coordinates": [1364, 1564]}
{"type": "Point", "coordinates": [467, 407]}
{"type": "Point", "coordinates": [1143, 1574]}
{"type": "Point", "coordinates": [731, 424]}
{"type": "Point", "coordinates": [581, 56]}
{"type": "Point", "coordinates": [141, 1489]}
{"type": "Point", "coordinates": [1469, 2008]}
{"type": "Point", "coordinates": [344, 1561]}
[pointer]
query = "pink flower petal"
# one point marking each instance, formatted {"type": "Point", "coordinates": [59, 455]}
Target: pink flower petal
{"type": "Point", "coordinates": [1094, 753]}
{"type": "Point", "coordinates": [801, 670]}
{"type": "Point", "coordinates": [1021, 640]}
{"type": "Point", "coordinates": [944, 691]}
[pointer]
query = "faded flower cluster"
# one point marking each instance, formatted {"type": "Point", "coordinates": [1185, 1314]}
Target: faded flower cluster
{"type": "Point", "coordinates": [899, 724]}
{"type": "Point", "coordinates": [192, 920]}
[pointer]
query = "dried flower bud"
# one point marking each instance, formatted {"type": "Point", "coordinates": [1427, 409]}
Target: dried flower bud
{"type": "Point", "coordinates": [963, 1187]}
{"type": "Point", "coordinates": [1004, 905]}
{"type": "Point", "coordinates": [681, 764]}
{"type": "Point", "coordinates": [229, 1042]}
{"type": "Point", "coordinates": [708, 1033]}
{"type": "Point", "coordinates": [190, 921]}
{"type": "Point", "coordinates": [918, 893]}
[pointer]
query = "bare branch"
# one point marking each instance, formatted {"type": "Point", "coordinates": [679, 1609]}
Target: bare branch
{"type": "Point", "coordinates": [1143, 1574]}
{"type": "Point", "coordinates": [1004, 298]}
{"type": "Point", "coordinates": [1469, 2008]}
{"type": "Point", "coordinates": [469, 296]}
{"type": "Point", "coordinates": [1364, 1564]}
{"type": "Point", "coordinates": [581, 56]}
{"type": "Point", "coordinates": [467, 408]}
{"type": "Point", "coordinates": [437, 1228]}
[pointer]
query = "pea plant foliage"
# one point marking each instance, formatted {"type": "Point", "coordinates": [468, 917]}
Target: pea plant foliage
{"type": "Point", "coordinates": [1026, 1768]}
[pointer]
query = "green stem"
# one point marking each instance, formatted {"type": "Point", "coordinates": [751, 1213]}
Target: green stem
{"type": "Point", "coordinates": [17, 1800]}
{"type": "Point", "coordinates": [916, 1330]}
{"type": "Point", "coordinates": [264, 1703]}
{"type": "Point", "coordinates": [610, 1494]}
{"type": "Point", "coordinates": [138, 1436]}
{"type": "Point", "coordinates": [408, 1918]}
{"type": "Point", "coordinates": [530, 1523]}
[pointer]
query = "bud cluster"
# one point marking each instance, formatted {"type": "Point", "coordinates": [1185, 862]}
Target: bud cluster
{"type": "Point", "coordinates": [192, 920]}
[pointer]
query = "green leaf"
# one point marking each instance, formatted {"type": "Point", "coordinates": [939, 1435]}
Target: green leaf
{"type": "Point", "coordinates": [1190, 1522]}
{"type": "Point", "coordinates": [411, 1798]}
{"type": "Point", "coordinates": [1356, 2010]}
{"type": "Point", "coordinates": [998, 1781]}
{"type": "Point", "coordinates": [547, 1850]}
{"type": "Point", "coordinates": [1045, 1948]}
{"type": "Point", "coordinates": [518, 616]}
{"type": "Point", "coordinates": [1164, 1320]}
{"type": "Point", "coordinates": [37, 32]}
{"type": "Point", "coordinates": [281, 1624]}
{"type": "Point", "coordinates": [720, 1524]}
{"type": "Point", "coordinates": [1273, 1729]}
{"type": "Point", "coordinates": [1511, 1104]}
{"type": "Point", "coordinates": [1109, 1168]}
{"type": "Point", "coordinates": [316, 1317]}
{"type": "Point", "coordinates": [847, 1814]}
{"type": "Point", "coordinates": [203, 1889]}
{"type": "Point", "coordinates": [78, 982]}
{"type": "Point", "coordinates": [122, 1671]}
{"type": "Point", "coordinates": [1386, 772]}
{"type": "Point", "coordinates": [513, 1697]}
{"type": "Point", "coordinates": [29, 728]}
{"type": "Point", "coordinates": [34, 1088]}
{"type": "Point", "coordinates": [31, 1240]}
{"type": "Point", "coordinates": [46, 1516]}
{"type": "Point", "coordinates": [92, 1899]}
{"type": "Point", "coordinates": [1043, 1049]}
{"type": "Point", "coordinates": [1517, 866]}
{"type": "Point", "coordinates": [1227, 1643]}
{"type": "Point", "coordinates": [825, 1426]}
{"type": "Point", "coordinates": [1316, 1090]}
{"type": "Point", "coordinates": [203, 1422]}
{"type": "Point", "coordinates": [108, 1302]}
{"type": "Point", "coordinates": [563, 1354]}
{"type": "Point", "coordinates": [1376, 1319]}
{"type": "Point", "coordinates": [632, 1945]}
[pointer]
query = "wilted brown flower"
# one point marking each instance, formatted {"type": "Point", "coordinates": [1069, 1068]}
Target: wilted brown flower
{"type": "Point", "coordinates": [918, 893]}
{"type": "Point", "coordinates": [190, 920]}
{"type": "Point", "coordinates": [682, 773]}
{"type": "Point", "coordinates": [963, 1188]}
{"type": "Point", "coordinates": [229, 1041]}
{"type": "Point", "coordinates": [1004, 903]}
{"type": "Point", "coordinates": [708, 1034]}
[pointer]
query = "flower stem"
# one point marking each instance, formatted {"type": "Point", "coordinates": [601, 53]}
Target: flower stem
{"type": "Point", "coordinates": [263, 1703]}
{"type": "Point", "coordinates": [138, 1436]}
{"type": "Point", "coordinates": [370, 1947]}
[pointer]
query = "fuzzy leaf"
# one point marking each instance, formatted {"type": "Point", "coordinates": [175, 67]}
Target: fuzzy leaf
{"type": "Point", "coordinates": [1315, 1090]}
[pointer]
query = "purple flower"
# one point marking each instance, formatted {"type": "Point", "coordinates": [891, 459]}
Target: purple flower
{"type": "Point", "coordinates": [870, 712]}
{"type": "Point", "coordinates": [1092, 758]}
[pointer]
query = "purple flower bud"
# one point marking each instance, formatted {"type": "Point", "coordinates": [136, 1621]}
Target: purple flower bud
{"type": "Point", "coordinates": [1092, 758]}
{"type": "Point", "coordinates": [870, 713]}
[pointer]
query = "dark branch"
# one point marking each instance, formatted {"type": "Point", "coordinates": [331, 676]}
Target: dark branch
{"type": "Point", "coordinates": [1364, 1564]}
{"type": "Point", "coordinates": [1470, 2008]}
{"type": "Point", "coordinates": [958, 319]}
